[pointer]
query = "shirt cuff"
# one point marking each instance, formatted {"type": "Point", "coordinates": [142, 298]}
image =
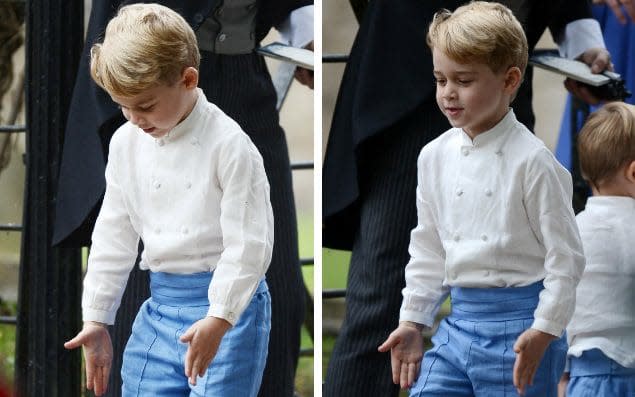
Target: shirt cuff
{"type": "Point", "coordinates": [549, 327]}
{"type": "Point", "coordinates": [100, 316]}
{"type": "Point", "coordinates": [222, 311]}
{"type": "Point", "coordinates": [579, 36]}
{"type": "Point", "coordinates": [297, 29]}
{"type": "Point", "coordinates": [426, 319]}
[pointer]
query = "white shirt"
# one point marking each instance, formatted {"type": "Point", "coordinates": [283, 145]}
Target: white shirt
{"type": "Point", "coordinates": [493, 212]}
{"type": "Point", "coordinates": [297, 29]}
{"type": "Point", "coordinates": [199, 200]}
{"type": "Point", "coordinates": [604, 316]}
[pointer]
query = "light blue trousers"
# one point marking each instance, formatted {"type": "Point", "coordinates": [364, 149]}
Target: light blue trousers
{"type": "Point", "coordinates": [593, 374]}
{"type": "Point", "coordinates": [472, 353]}
{"type": "Point", "coordinates": [153, 361]}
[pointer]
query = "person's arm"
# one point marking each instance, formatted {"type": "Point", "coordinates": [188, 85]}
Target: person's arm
{"type": "Point", "coordinates": [111, 258]}
{"type": "Point", "coordinates": [297, 31]}
{"type": "Point", "coordinates": [424, 292]}
{"type": "Point", "coordinates": [246, 221]}
{"type": "Point", "coordinates": [547, 199]}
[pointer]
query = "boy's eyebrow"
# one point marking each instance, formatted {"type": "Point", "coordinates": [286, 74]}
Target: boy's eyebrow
{"type": "Point", "coordinates": [455, 72]}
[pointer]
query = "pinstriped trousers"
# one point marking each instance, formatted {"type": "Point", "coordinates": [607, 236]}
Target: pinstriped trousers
{"type": "Point", "coordinates": [379, 256]}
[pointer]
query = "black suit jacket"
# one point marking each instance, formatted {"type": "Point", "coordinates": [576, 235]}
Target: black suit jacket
{"type": "Point", "coordinates": [93, 117]}
{"type": "Point", "coordinates": [389, 75]}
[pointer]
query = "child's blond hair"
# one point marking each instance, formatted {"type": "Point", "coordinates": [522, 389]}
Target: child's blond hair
{"type": "Point", "coordinates": [480, 32]}
{"type": "Point", "coordinates": [145, 45]}
{"type": "Point", "coordinates": [607, 142]}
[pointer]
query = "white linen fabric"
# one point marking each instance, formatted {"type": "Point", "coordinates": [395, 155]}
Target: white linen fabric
{"type": "Point", "coordinates": [198, 198]}
{"type": "Point", "coordinates": [604, 316]}
{"type": "Point", "coordinates": [493, 212]}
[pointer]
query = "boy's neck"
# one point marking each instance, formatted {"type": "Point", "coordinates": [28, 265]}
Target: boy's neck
{"type": "Point", "coordinates": [190, 106]}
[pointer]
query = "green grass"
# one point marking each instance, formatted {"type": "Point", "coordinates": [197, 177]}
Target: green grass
{"type": "Point", "coordinates": [304, 374]}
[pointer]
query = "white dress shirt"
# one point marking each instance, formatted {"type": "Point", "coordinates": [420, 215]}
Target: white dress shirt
{"type": "Point", "coordinates": [297, 29]}
{"type": "Point", "coordinates": [199, 200]}
{"type": "Point", "coordinates": [604, 316]}
{"type": "Point", "coordinates": [493, 212]}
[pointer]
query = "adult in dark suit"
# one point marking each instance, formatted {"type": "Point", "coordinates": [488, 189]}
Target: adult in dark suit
{"type": "Point", "coordinates": [385, 113]}
{"type": "Point", "coordinates": [241, 86]}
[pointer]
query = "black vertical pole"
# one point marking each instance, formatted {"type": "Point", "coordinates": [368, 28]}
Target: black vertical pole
{"type": "Point", "coordinates": [49, 291]}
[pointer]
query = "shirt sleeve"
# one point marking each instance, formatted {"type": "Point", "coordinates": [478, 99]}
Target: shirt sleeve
{"type": "Point", "coordinates": [424, 292]}
{"type": "Point", "coordinates": [579, 36]}
{"type": "Point", "coordinates": [247, 227]}
{"type": "Point", "coordinates": [297, 29]}
{"type": "Point", "coordinates": [112, 255]}
{"type": "Point", "coordinates": [548, 195]}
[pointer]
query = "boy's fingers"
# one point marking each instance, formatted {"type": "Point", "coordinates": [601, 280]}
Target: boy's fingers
{"type": "Point", "coordinates": [188, 335]}
{"type": "Point", "coordinates": [412, 373]}
{"type": "Point", "coordinates": [388, 344]}
{"type": "Point", "coordinates": [77, 341]}
{"type": "Point", "coordinates": [188, 361]}
{"type": "Point", "coordinates": [404, 375]}
{"type": "Point", "coordinates": [99, 382]}
{"type": "Point", "coordinates": [395, 365]}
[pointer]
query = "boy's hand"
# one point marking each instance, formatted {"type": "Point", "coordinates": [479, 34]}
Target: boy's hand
{"type": "Point", "coordinates": [406, 350]}
{"type": "Point", "coordinates": [529, 347]}
{"type": "Point", "coordinates": [562, 385]}
{"type": "Point", "coordinates": [98, 355]}
{"type": "Point", "coordinates": [204, 337]}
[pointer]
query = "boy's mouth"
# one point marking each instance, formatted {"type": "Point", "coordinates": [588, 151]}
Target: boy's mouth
{"type": "Point", "coordinates": [452, 111]}
{"type": "Point", "coordinates": [148, 130]}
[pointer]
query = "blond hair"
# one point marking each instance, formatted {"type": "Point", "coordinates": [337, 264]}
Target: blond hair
{"type": "Point", "coordinates": [607, 142]}
{"type": "Point", "coordinates": [144, 46]}
{"type": "Point", "coordinates": [482, 32]}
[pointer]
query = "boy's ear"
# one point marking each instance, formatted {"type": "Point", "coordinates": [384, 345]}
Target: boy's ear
{"type": "Point", "coordinates": [630, 172]}
{"type": "Point", "coordinates": [190, 77]}
{"type": "Point", "coordinates": [513, 78]}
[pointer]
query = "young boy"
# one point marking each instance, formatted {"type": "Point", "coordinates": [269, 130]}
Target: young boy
{"type": "Point", "coordinates": [183, 178]}
{"type": "Point", "coordinates": [495, 228]}
{"type": "Point", "coordinates": [601, 333]}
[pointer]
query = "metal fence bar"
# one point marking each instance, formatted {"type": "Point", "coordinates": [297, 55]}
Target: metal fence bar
{"type": "Point", "coordinates": [334, 58]}
{"type": "Point", "coordinates": [333, 293]}
{"type": "Point", "coordinates": [12, 128]}
{"type": "Point", "coordinates": [9, 227]}
{"type": "Point", "coordinates": [13, 320]}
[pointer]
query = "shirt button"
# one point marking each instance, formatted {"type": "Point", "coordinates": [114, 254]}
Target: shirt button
{"type": "Point", "coordinates": [231, 315]}
{"type": "Point", "coordinates": [160, 142]}
{"type": "Point", "coordinates": [453, 275]}
{"type": "Point", "coordinates": [488, 192]}
{"type": "Point", "coordinates": [185, 230]}
{"type": "Point", "coordinates": [188, 185]}
{"type": "Point", "coordinates": [499, 152]}
{"type": "Point", "coordinates": [157, 230]}
{"type": "Point", "coordinates": [459, 192]}
{"type": "Point", "coordinates": [484, 237]}
{"type": "Point", "coordinates": [486, 273]}
{"type": "Point", "coordinates": [466, 152]}
{"type": "Point", "coordinates": [157, 185]}
{"type": "Point", "coordinates": [194, 141]}
{"type": "Point", "coordinates": [222, 37]}
{"type": "Point", "coordinates": [456, 237]}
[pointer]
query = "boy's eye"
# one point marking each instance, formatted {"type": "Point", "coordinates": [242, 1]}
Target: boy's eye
{"type": "Point", "coordinates": [439, 81]}
{"type": "Point", "coordinates": [146, 108]}
{"type": "Point", "coordinates": [465, 82]}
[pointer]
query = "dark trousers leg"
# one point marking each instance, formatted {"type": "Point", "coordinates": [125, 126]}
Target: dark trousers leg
{"type": "Point", "coordinates": [380, 253]}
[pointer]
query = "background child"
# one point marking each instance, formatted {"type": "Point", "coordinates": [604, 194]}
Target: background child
{"type": "Point", "coordinates": [184, 178]}
{"type": "Point", "coordinates": [495, 227]}
{"type": "Point", "coordinates": [602, 330]}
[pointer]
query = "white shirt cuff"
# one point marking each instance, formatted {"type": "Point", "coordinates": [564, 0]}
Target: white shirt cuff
{"type": "Point", "coordinates": [297, 29]}
{"type": "Point", "coordinates": [549, 327]}
{"type": "Point", "coordinates": [222, 311]}
{"type": "Point", "coordinates": [579, 36]}
{"type": "Point", "coordinates": [100, 316]}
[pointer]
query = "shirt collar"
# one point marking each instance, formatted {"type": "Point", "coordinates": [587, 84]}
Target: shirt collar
{"type": "Point", "coordinates": [493, 135]}
{"type": "Point", "coordinates": [616, 204]}
{"type": "Point", "coordinates": [187, 124]}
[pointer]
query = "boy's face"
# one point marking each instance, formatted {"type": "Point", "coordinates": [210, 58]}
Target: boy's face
{"type": "Point", "coordinates": [159, 109]}
{"type": "Point", "coordinates": [471, 96]}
